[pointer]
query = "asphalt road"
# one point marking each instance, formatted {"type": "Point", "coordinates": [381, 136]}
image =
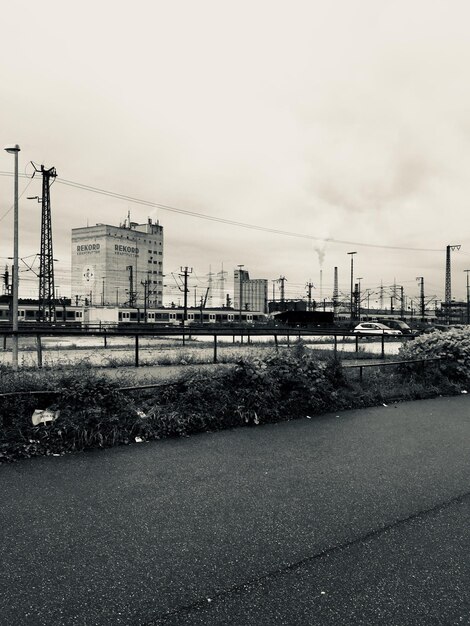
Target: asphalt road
{"type": "Point", "coordinates": [355, 518]}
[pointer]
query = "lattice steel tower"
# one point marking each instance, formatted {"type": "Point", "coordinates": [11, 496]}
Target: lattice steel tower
{"type": "Point", "coordinates": [46, 257]}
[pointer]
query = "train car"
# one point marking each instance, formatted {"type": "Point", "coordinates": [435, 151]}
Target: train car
{"type": "Point", "coordinates": [104, 316]}
{"type": "Point", "coordinates": [306, 319]}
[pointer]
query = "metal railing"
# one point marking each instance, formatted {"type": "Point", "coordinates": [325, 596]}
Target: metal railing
{"type": "Point", "coordinates": [243, 333]}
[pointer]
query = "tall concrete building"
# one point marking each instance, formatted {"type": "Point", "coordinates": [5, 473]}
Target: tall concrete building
{"type": "Point", "coordinates": [118, 265]}
{"type": "Point", "coordinates": [254, 292]}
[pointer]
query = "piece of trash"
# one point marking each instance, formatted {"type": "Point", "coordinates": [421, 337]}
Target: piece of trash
{"type": "Point", "coordinates": [53, 454]}
{"type": "Point", "coordinates": [209, 599]}
{"type": "Point", "coordinates": [385, 405]}
{"type": "Point", "coordinates": [464, 391]}
{"type": "Point", "coordinates": [323, 593]}
{"type": "Point", "coordinates": [140, 414]}
{"type": "Point", "coordinates": [256, 419]}
{"type": "Point", "coordinates": [42, 416]}
{"type": "Point", "coordinates": [138, 439]}
{"type": "Point", "coordinates": [308, 417]}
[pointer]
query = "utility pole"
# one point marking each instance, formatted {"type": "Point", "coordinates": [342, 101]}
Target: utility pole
{"type": "Point", "coordinates": [448, 290]}
{"type": "Point", "coordinates": [309, 286]}
{"type": "Point", "coordinates": [185, 271]}
{"type": "Point", "coordinates": [351, 308]}
{"type": "Point", "coordinates": [47, 311]}
{"type": "Point", "coordinates": [358, 303]}
{"type": "Point", "coordinates": [240, 288]}
{"type": "Point", "coordinates": [6, 281]}
{"type": "Point", "coordinates": [145, 283]}
{"type": "Point", "coordinates": [402, 302]}
{"type": "Point", "coordinates": [421, 298]}
{"type": "Point", "coordinates": [132, 294]}
{"type": "Point", "coordinates": [468, 298]}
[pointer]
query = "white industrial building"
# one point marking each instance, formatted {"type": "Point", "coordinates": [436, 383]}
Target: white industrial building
{"type": "Point", "coordinates": [118, 265]}
{"type": "Point", "coordinates": [254, 292]}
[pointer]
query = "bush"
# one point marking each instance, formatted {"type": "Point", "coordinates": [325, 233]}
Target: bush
{"type": "Point", "coordinates": [452, 346]}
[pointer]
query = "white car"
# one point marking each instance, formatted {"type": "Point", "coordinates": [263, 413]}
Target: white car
{"type": "Point", "coordinates": [374, 328]}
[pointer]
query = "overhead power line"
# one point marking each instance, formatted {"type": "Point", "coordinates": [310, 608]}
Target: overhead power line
{"type": "Point", "coordinates": [221, 220]}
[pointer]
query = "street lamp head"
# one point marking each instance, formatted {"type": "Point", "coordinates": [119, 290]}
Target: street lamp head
{"type": "Point", "coordinates": [12, 149]}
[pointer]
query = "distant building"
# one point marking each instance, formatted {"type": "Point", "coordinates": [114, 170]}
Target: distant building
{"type": "Point", "coordinates": [453, 312]}
{"type": "Point", "coordinates": [118, 265]}
{"type": "Point", "coordinates": [254, 293]}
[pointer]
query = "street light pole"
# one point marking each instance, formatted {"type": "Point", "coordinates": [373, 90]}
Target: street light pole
{"type": "Point", "coordinates": [15, 150]}
{"type": "Point", "coordinates": [352, 278]}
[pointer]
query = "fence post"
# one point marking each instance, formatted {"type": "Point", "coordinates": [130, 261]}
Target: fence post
{"type": "Point", "coordinates": [275, 342]}
{"type": "Point", "coordinates": [357, 342]}
{"type": "Point", "coordinates": [383, 345]}
{"type": "Point", "coordinates": [105, 339]}
{"type": "Point", "coordinates": [4, 342]}
{"type": "Point", "coordinates": [336, 346]}
{"type": "Point", "coordinates": [215, 348]}
{"type": "Point", "coordinates": [137, 350]}
{"type": "Point", "coordinates": [360, 373]}
{"type": "Point", "coordinates": [39, 349]}
{"type": "Point", "coordinates": [288, 339]}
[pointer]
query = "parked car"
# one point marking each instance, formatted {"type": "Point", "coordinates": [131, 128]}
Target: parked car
{"type": "Point", "coordinates": [398, 325]}
{"type": "Point", "coordinates": [374, 328]}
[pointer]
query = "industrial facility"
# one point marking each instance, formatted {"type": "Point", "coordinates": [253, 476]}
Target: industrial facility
{"type": "Point", "coordinates": [249, 294]}
{"type": "Point", "coordinates": [118, 265]}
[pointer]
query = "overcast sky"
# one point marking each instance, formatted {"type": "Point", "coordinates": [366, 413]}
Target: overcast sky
{"type": "Point", "coordinates": [347, 121]}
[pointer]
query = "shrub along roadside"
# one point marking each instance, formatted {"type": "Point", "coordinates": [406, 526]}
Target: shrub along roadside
{"type": "Point", "coordinates": [280, 386]}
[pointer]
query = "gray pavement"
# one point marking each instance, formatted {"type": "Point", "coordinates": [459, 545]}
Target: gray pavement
{"type": "Point", "coordinates": [354, 518]}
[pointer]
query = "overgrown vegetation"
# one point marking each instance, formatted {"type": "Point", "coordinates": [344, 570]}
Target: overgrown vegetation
{"type": "Point", "coordinates": [270, 387]}
{"type": "Point", "coordinates": [451, 346]}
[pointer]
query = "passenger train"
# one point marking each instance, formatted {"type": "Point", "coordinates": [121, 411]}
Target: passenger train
{"type": "Point", "coordinates": [71, 315]}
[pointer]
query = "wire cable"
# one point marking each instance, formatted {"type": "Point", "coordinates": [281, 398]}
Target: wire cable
{"type": "Point", "coordinates": [221, 220]}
